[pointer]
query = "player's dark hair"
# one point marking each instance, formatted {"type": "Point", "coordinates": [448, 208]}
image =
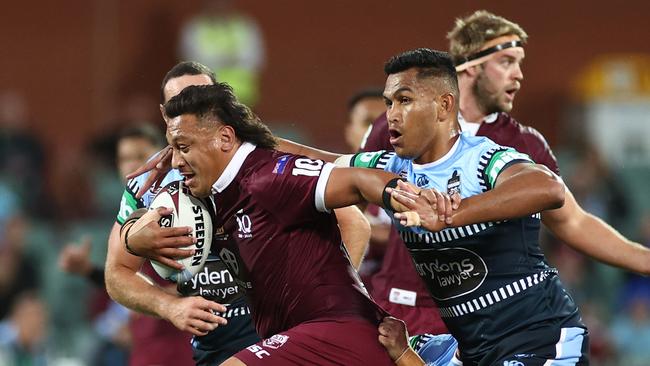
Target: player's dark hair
{"type": "Point", "coordinates": [430, 64]}
{"type": "Point", "coordinates": [145, 131]}
{"type": "Point", "coordinates": [369, 93]}
{"type": "Point", "coordinates": [185, 68]}
{"type": "Point", "coordinates": [218, 101]}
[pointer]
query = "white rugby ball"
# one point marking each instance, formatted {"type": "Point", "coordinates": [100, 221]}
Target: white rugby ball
{"type": "Point", "coordinates": [188, 211]}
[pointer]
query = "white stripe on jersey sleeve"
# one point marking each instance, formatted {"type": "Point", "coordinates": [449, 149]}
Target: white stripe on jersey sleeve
{"type": "Point", "coordinates": [320, 187]}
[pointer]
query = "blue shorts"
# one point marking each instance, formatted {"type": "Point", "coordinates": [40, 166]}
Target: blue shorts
{"type": "Point", "coordinates": [544, 347]}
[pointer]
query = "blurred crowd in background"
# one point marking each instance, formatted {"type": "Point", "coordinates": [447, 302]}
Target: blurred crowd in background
{"type": "Point", "coordinates": [49, 315]}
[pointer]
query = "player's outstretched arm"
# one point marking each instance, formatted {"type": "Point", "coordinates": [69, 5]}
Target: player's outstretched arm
{"type": "Point", "coordinates": [592, 236]}
{"type": "Point", "coordinates": [521, 189]}
{"type": "Point", "coordinates": [308, 151]}
{"type": "Point", "coordinates": [126, 286]}
{"type": "Point", "coordinates": [394, 337]}
{"type": "Point", "coordinates": [355, 232]}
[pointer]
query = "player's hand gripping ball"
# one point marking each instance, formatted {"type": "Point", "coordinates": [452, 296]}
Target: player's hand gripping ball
{"type": "Point", "coordinates": [187, 211]}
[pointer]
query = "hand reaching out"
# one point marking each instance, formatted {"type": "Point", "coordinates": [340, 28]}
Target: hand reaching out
{"type": "Point", "coordinates": [159, 166]}
{"type": "Point", "coordinates": [427, 208]}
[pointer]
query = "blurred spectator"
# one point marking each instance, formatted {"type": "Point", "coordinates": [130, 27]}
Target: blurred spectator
{"type": "Point", "coordinates": [631, 331]}
{"type": "Point", "coordinates": [21, 153]}
{"type": "Point", "coordinates": [364, 107]}
{"type": "Point", "coordinates": [17, 272]}
{"type": "Point", "coordinates": [23, 333]}
{"type": "Point", "coordinates": [229, 43]}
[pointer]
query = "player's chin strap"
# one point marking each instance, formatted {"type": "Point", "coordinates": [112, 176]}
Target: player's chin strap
{"type": "Point", "coordinates": [481, 56]}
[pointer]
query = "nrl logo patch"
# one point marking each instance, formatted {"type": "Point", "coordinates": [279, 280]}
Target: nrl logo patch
{"type": "Point", "coordinates": [453, 184]}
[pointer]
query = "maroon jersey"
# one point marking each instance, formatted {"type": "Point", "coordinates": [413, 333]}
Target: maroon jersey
{"type": "Point", "coordinates": [397, 287]}
{"type": "Point", "coordinates": [278, 239]}
{"type": "Point", "coordinates": [507, 131]}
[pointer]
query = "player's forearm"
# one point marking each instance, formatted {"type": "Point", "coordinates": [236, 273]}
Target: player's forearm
{"type": "Point", "coordinates": [123, 283]}
{"type": "Point", "coordinates": [355, 232]}
{"type": "Point", "coordinates": [350, 186]}
{"type": "Point", "coordinates": [524, 193]}
{"type": "Point", "coordinates": [299, 149]}
{"type": "Point", "coordinates": [131, 290]}
{"type": "Point", "coordinates": [592, 236]}
{"type": "Point", "coordinates": [409, 358]}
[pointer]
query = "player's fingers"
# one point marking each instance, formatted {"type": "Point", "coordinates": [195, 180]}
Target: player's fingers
{"type": "Point", "coordinates": [165, 159]}
{"type": "Point", "coordinates": [211, 318]}
{"type": "Point", "coordinates": [409, 218]}
{"type": "Point", "coordinates": [406, 186]}
{"type": "Point", "coordinates": [411, 195]}
{"type": "Point", "coordinates": [215, 306]}
{"type": "Point", "coordinates": [430, 197]}
{"type": "Point", "coordinates": [455, 200]}
{"type": "Point", "coordinates": [151, 179]}
{"type": "Point", "coordinates": [448, 208]}
{"type": "Point", "coordinates": [198, 327]}
{"type": "Point", "coordinates": [143, 169]}
{"type": "Point", "coordinates": [404, 202]}
{"type": "Point", "coordinates": [174, 253]}
{"type": "Point", "coordinates": [440, 204]}
{"type": "Point", "coordinates": [181, 232]}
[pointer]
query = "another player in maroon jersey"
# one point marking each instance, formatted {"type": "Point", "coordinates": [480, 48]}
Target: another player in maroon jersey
{"type": "Point", "coordinates": [276, 234]}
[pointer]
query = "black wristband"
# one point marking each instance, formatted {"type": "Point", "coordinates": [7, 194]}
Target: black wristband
{"type": "Point", "coordinates": [385, 196]}
{"type": "Point", "coordinates": [124, 233]}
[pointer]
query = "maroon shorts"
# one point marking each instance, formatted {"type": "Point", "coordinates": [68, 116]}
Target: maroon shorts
{"type": "Point", "coordinates": [345, 342]}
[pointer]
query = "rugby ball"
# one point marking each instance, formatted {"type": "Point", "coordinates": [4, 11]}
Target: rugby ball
{"type": "Point", "coordinates": [187, 211]}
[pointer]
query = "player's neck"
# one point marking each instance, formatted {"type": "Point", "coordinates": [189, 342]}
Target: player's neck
{"type": "Point", "coordinates": [441, 144]}
{"type": "Point", "coordinates": [468, 105]}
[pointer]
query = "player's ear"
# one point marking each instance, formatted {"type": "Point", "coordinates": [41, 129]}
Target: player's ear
{"type": "Point", "coordinates": [227, 138]}
{"type": "Point", "coordinates": [472, 71]}
{"type": "Point", "coordinates": [446, 106]}
{"type": "Point", "coordinates": [162, 112]}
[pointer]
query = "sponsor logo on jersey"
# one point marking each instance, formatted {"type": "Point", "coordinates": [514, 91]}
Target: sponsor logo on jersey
{"type": "Point", "coordinates": [453, 184]}
{"type": "Point", "coordinates": [281, 164]}
{"type": "Point", "coordinates": [451, 272]}
{"type": "Point", "coordinates": [421, 180]}
{"type": "Point", "coordinates": [276, 341]}
{"type": "Point", "coordinates": [258, 351]}
{"type": "Point", "coordinates": [220, 234]}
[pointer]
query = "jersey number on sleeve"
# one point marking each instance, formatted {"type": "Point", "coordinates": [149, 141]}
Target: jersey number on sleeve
{"type": "Point", "coordinates": [308, 167]}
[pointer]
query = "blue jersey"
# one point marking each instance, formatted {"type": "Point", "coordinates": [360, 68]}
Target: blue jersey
{"type": "Point", "coordinates": [214, 282]}
{"type": "Point", "coordinates": [490, 280]}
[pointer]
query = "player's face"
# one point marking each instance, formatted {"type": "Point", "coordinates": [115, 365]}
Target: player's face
{"type": "Point", "coordinates": [412, 113]}
{"type": "Point", "coordinates": [133, 152]}
{"type": "Point", "coordinates": [362, 115]}
{"type": "Point", "coordinates": [196, 152]}
{"type": "Point", "coordinates": [499, 80]}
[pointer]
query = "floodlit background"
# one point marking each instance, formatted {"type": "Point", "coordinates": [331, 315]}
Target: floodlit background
{"type": "Point", "coordinates": [74, 73]}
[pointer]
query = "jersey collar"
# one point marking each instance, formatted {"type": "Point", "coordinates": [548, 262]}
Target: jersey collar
{"type": "Point", "coordinates": [442, 159]}
{"type": "Point", "coordinates": [233, 167]}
